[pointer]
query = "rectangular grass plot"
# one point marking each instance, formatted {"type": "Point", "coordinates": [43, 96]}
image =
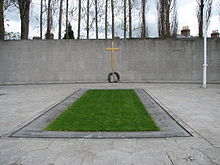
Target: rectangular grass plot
{"type": "Point", "coordinates": [105, 110]}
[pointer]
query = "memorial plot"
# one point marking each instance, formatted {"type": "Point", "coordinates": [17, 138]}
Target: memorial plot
{"type": "Point", "coordinates": [167, 125]}
{"type": "Point", "coordinates": [105, 110]}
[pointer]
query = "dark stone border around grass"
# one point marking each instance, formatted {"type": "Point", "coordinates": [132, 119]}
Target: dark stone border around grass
{"type": "Point", "coordinates": [168, 126]}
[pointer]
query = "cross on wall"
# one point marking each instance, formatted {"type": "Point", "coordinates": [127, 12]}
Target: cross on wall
{"type": "Point", "coordinates": [112, 49]}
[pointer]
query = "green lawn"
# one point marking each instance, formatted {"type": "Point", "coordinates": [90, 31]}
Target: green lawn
{"type": "Point", "coordinates": [105, 110]}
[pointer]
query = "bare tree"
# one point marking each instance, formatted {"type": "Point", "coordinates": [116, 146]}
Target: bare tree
{"type": "Point", "coordinates": [167, 14]}
{"type": "Point", "coordinates": [219, 10]}
{"type": "Point", "coordinates": [41, 19]}
{"type": "Point", "coordinates": [2, 28]}
{"type": "Point", "coordinates": [49, 20]}
{"type": "Point", "coordinates": [60, 19]}
{"type": "Point", "coordinates": [67, 19]}
{"type": "Point", "coordinates": [163, 18]}
{"type": "Point", "coordinates": [52, 9]}
{"type": "Point", "coordinates": [174, 24]}
{"type": "Point", "coordinates": [160, 17]}
{"type": "Point", "coordinates": [79, 19]}
{"type": "Point", "coordinates": [167, 18]}
{"type": "Point", "coordinates": [113, 19]}
{"type": "Point", "coordinates": [143, 27]}
{"type": "Point", "coordinates": [200, 8]}
{"type": "Point", "coordinates": [4, 5]}
{"type": "Point", "coordinates": [24, 7]}
{"type": "Point", "coordinates": [8, 3]}
{"type": "Point", "coordinates": [87, 22]}
{"type": "Point", "coordinates": [130, 18]}
{"type": "Point", "coordinates": [125, 18]}
{"type": "Point", "coordinates": [96, 19]}
{"type": "Point", "coordinates": [106, 19]}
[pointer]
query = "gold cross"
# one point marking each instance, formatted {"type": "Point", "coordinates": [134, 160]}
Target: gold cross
{"type": "Point", "coordinates": [112, 49]}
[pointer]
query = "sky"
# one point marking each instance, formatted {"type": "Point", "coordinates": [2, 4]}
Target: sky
{"type": "Point", "coordinates": [186, 17]}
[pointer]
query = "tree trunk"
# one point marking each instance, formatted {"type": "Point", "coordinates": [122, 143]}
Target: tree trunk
{"type": "Point", "coordinates": [158, 18]}
{"type": "Point", "coordinates": [201, 8]}
{"type": "Point", "coordinates": [219, 11]}
{"type": "Point", "coordinates": [2, 28]}
{"type": "Point", "coordinates": [41, 19]}
{"type": "Point", "coordinates": [130, 19]}
{"type": "Point", "coordinates": [143, 28]}
{"type": "Point", "coordinates": [60, 19]}
{"type": "Point", "coordinates": [201, 5]}
{"type": "Point", "coordinates": [24, 7]}
{"type": "Point", "coordinates": [174, 23]}
{"type": "Point", "coordinates": [79, 19]}
{"type": "Point", "coordinates": [113, 19]}
{"type": "Point", "coordinates": [106, 19]}
{"type": "Point", "coordinates": [125, 18]}
{"type": "Point", "coordinates": [87, 24]}
{"type": "Point", "coordinates": [161, 18]}
{"type": "Point", "coordinates": [167, 23]}
{"type": "Point", "coordinates": [67, 19]}
{"type": "Point", "coordinates": [48, 20]}
{"type": "Point", "coordinates": [96, 20]}
{"type": "Point", "coordinates": [167, 18]}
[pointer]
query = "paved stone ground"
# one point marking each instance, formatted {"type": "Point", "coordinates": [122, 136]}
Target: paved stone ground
{"type": "Point", "coordinates": [197, 109]}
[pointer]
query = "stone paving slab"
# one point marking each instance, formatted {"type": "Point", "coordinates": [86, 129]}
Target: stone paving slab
{"type": "Point", "coordinates": [196, 108]}
{"type": "Point", "coordinates": [22, 103]}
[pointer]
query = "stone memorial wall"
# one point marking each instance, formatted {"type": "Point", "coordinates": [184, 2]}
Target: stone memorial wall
{"type": "Point", "coordinates": [72, 61]}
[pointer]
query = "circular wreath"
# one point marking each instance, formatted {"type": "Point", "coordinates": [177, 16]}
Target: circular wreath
{"type": "Point", "coordinates": [113, 77]}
